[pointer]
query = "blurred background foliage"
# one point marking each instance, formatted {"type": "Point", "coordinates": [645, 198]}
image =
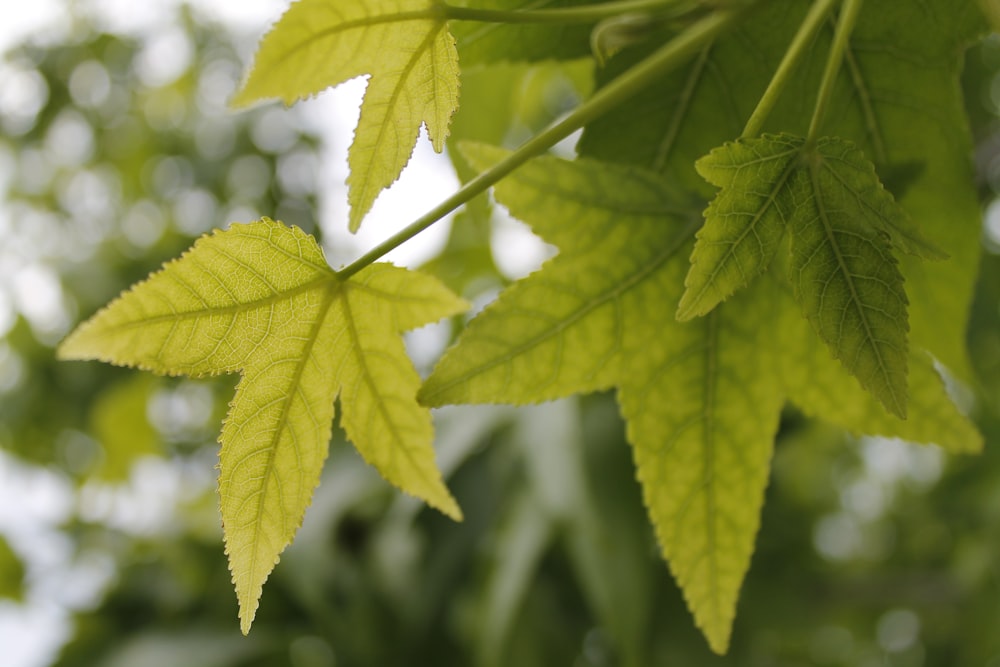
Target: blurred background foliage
{"type": "Point", "coordinates": [117, 150]}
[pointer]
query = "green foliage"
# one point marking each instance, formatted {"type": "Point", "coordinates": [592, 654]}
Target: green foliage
{"type": "Point", "coordinates": [840, 221]}
{"type": "Point", "coordinates": [315, 337]}
{"type": "Point", "coordinates": [406, 48]}
{"type": "Point", "coordinates": [700, 328]}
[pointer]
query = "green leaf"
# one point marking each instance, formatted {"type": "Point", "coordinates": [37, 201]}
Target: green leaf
{"type": "Point", "coordinates": [898, 98]}
{"type": "Point", "coordinates": [480, 43]}
{"type": "Point", "coordinates": [405, 47]}
{"type": "Point", "coordinates": [842, 268]}
{"type": "Point", "coordinates": [743, 224]}
{"type": "Point", "coordinates": [821, 388]}
{"type": "Point", "coordinates": [843, 271]}
{"type": "Point", "coordinates": [260, 299]}
{"type": "Point", "coordinates": [701, 411]}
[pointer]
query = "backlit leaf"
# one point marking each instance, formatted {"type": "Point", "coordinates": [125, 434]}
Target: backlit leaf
{"type": "Point", "coordinates": [701, 412]}
{"type": "Point", "coordinates": [259, 299]}
{"type": "Point", "coordinates": [842, 268]}
{"type": "Point", "coordinates": [480, 42]}
{"type": "Point", "coordinates": [821, 388]}
{"type": "Point", "coordinates": [405, 47]}
{"type": "Point", "coordinates": [897, 98]}
{"type": "Point", "coordinates": [743, 224]}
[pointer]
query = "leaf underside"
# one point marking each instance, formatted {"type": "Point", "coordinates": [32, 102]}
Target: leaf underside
{"type": "Point", "coordinates": [842, 268]}
{"type": "Point", "coordinates": [410, 56]}
{"type": "Point", "coordinates": [701, 398]}
{"type": "Point", "coordinates": [701, 413]}
{"type": "Point", "coordinates": [259, 299]}
{"type": "Point", "coordinates": [897, 98]}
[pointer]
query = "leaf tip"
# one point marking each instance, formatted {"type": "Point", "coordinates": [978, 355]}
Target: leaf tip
{"type": "Point", "coordinates": [246, 619]}
{"type": "Point", "coordinates": [690, 308]}
{"type": "Point", "coordinates": [241, 99]}
{"type": "Point", "coordinates": [718, 639]}
{"type": "Point", "coordinates": [449, 507]}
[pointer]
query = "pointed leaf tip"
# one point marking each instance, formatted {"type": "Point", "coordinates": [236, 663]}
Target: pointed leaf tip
{"type": "Point", "coordinates": [744, 224]}
{"type": "Point", "coordinates": [405, 48]}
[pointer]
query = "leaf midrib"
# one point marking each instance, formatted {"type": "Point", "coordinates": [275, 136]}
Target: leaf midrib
{"type": "Point", "coordinates": [327, 281]}
{"type": "Point", "coordinates": [281, 424]}
{"type": "Point", "coordinates": [772, 198]}
{"type": "Point", "coordinates": [403, 78]}
{"type": "Point", "coordinates": [855, 298]}
{"type": "Point", "coordinates": [362, 358]}
{"type": "Point", "coordinates": [681, 110]}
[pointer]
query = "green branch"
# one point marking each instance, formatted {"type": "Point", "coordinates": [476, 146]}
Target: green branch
{"type": "Point", "coordinates": [841, 35]}
{"type": "Point", "coordinates": [585, 14]}
{"type": "Point", "coordinates": [670, 56]}
{"type": "Point", "coordinates": [802, 40]}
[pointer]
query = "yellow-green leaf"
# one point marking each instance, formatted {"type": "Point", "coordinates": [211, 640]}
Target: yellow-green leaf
{"type": "Point", "coordinates": [843, 271]}
{"type": "Point", "coordinates": [261, 300]}
{"type": "Point", "coordinates": [405, 47]}
{"type": "Point", "coordinates": [701, 410]}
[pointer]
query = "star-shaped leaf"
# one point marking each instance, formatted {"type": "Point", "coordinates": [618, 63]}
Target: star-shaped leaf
{"type": "Point", "coordinates": [405, 47]}
{"type": "Point", "coordinates": [841, 222]}
{"type": "Point", "coordinates": [259, 299]}
{"type": "Point", "coordinates": [701, 411]}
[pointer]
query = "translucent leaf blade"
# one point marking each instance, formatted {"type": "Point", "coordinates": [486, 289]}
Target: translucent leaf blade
{"type": "Point", "coordinates": [379, 384]}
{"type": "Point", "coordinates": [701, 414]}
{"type": "Point", "coordinates": [274, 442]}
{"type": "Point", "coordinates": [178, 320]}
{"type": "Point", "coordinates": [518, 350]}
{"type": "Point", "coordinates": [821, 388]}
{"type": "Point", "coordinates": [260, 299]}
{"type": "Point", "coordinates": [843, 271]}
{"type": "Point", "coordinates": [744, 223]}
{"type": "Point", "coordinates": [404, 46]}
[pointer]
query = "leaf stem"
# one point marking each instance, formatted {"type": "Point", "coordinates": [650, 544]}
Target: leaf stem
{"type": "Point", "coordinates": [585, 14]}
{"type": "Point", "coordinates": [671, 55]}
{"type": "Point", "coordinates": [841, 35]}
{"type": "Point", "coordinates": [802, 40]}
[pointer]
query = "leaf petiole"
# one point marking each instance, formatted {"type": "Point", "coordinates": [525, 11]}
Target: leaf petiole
{"type": "Point", "coordinates": [841, 35]}
{"type": "Point", "coordinates": [802, 40]}
{"type": "Point", "coordinates": [585, 14]}
{"type": "Point", "coordinates": [671, 55]}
